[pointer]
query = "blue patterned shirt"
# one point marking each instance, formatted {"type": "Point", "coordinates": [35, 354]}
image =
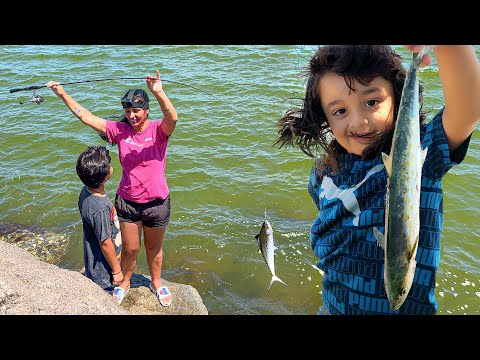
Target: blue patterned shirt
{"type": "Point", "coordinates": [351, 203]}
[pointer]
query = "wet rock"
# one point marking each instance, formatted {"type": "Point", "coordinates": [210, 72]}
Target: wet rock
{"type": "Point", "coordinates": [46, 245]}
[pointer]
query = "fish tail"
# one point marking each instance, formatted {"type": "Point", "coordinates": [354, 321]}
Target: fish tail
{"type": "Point", "coordinates": [276, 278]}
{"type": "Point", "coordinates": [418, 56]}
{"type": "Point", "coordinates": [426, 50]}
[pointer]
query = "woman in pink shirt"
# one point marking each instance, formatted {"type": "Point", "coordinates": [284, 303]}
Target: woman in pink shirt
{"type": "Point", "coordinates": [142, 200]}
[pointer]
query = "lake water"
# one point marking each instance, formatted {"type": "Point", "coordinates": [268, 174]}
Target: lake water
{"type": "Point", "coordinates": [222, 169]}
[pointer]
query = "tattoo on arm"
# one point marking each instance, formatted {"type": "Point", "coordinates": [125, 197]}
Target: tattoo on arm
{"type": "Point", "coordinates": [77, 110]}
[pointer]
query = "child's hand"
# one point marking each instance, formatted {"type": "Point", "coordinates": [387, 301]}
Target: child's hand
{"type": "Point", "coordinates": [154, 83]}
{"type": "Point", "coordinates": [118, 278]}
{"type": "Point", "coordinates": [426, 60]}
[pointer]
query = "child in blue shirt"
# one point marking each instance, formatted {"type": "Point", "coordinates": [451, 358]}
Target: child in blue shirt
{"type": "Point", "coordinates": [349, 111]}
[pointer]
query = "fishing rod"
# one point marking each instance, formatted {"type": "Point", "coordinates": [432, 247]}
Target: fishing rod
{"type": "Point", "coordinates": [34, 87]}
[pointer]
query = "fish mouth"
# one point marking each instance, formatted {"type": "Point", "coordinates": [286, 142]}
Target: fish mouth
{"type": "Point", "coordinates": [396, 303]}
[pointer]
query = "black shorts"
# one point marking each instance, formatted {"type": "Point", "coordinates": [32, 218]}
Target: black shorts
{"type": "Point", "coordinates": [155, 213]}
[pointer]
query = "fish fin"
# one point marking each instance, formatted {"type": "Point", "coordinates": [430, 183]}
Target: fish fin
{"type": "Point", "coordinates": [424, 154]}
{"type": "Point", "coordinates": [380, 238]}
{"type": "Point", "coordinates": [413, 252]}
{"type": "Point", "coordinates": [276, 278]}
{"type": "Point", "coordinates": [387, 161]}
{"type": "Point", "coordinates": [258, 241]}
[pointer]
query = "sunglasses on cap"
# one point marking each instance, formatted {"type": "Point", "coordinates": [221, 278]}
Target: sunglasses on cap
{"type": "Point", "coordinates": [129, 102]}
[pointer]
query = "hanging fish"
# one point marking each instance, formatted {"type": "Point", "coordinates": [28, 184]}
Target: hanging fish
{"type": "Point", "coordinates": [267, 249]}
{"type": "Point", "coordinates": [402, 208]}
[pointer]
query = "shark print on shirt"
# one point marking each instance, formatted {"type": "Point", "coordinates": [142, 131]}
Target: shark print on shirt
{"type": "Point", "coordinates": [348, 198]}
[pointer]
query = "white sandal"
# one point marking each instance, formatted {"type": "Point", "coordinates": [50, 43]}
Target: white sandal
{"type": "Point", "coordinates": [119, 294]}
{"type": "Point", "coordinates": [163, 294]}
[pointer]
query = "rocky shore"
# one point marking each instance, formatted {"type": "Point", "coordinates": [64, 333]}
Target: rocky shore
{"type": "Point", "coordinates": [31, 286]}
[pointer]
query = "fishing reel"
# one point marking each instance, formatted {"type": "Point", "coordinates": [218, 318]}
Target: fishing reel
{"type": "Point", "coordinates": [36, 99]}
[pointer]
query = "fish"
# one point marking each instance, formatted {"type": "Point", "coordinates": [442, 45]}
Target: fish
{"type": "Point", "coordinates": [402, 203]}
{"type": "Point", "coordinates": [267, 248]}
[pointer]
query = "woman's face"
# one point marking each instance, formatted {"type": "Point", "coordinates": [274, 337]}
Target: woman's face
{"type": "Point", "coordinates": [356, 117]}
{"type": "Point", "coordinates": [137, 117]}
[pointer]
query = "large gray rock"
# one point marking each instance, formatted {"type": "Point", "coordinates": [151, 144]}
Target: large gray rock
{"type": "Point", "coordinates": [31, 286]}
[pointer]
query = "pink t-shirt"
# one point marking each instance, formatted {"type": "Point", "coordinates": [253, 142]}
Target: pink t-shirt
{"type": "Point", "coordinates": [142, 156]}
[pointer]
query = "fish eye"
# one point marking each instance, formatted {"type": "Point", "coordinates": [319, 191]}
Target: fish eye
{"type": "Point", "coordinates": [403, 291]}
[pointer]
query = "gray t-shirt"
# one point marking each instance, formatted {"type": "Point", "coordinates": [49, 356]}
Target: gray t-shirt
{"type": "Point", "coordinates": [98, 218]}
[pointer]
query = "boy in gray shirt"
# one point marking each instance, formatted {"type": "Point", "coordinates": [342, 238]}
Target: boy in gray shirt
{"type": "Point", "coordinates": [101, 236]}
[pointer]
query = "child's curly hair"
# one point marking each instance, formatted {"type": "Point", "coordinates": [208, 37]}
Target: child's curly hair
{"type": "Point", "coordinates": [307, 127]}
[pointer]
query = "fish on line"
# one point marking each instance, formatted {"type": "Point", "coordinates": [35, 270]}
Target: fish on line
{"type": "Point", "coordinates": [267, 248]}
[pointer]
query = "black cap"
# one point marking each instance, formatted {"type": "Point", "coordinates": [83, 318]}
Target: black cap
{"type": "Point", "coordinates": [135, 98]}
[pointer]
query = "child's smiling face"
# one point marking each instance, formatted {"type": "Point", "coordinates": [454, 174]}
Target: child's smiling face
{"type": "Point", "coordinates": [356, 117]}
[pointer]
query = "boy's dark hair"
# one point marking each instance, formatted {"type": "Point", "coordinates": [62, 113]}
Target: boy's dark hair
{"type": "Point", "coordinates": [93, 166]}
{"type": "Point", "coordinates": [307, 127]}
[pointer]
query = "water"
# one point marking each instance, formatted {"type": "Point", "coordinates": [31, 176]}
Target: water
{"type": "Point", "coordinates": [222, 173]}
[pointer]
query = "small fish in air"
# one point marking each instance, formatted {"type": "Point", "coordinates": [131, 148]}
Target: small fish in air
{"type": "Point", "coordinates": [267, 248]}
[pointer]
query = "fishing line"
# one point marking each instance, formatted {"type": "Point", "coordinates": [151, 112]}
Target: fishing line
{"type": "Point", "coordinates": [37, 99]}
{"type": "Point", "coordinates": [132, 78]}
{"type": "Point", "coordinates": [299, 50]}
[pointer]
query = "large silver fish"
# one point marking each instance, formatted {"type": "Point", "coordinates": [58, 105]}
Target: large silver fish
{"type": "Point", "coordinates": [267, 249]}
{"type": "Point", "coordinates": [402, 204]}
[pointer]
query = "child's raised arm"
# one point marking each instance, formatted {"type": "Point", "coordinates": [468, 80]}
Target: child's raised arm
{"type": "Point", "coordinates": [459, 71]}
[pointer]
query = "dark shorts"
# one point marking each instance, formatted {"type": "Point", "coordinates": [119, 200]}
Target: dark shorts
{"type": "Point", "coordinates": [155, 213]}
